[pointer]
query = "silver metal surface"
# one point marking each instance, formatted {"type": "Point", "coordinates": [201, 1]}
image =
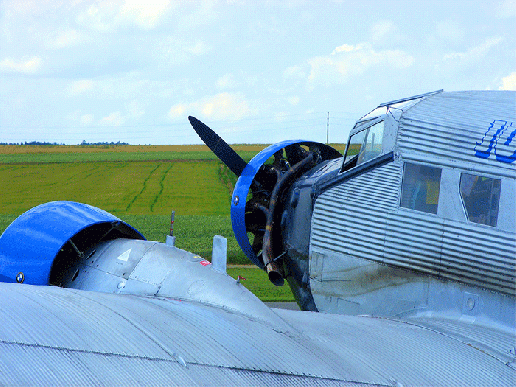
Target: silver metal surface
{"type": "Point", "coordinates": [170, 240]}
{"type": "Point", "coordinates": [219, 256]}
{"type": "Point", "coordinates": [445, 129]}
{"type": "Point", "coordinates": [126, 266]}
{"type": "Point", "coordinates": [369, 255]}
{"type": "Point", "coordinates": [67, 336]}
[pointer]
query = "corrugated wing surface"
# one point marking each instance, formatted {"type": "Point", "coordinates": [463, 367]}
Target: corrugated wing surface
{"type": "Point", "coordinates": [80, 337]}
{"type": "Point", "coordinates": [55, 336]}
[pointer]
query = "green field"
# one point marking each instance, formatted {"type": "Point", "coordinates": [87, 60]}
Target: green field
{"type": "Point", "coordinates": [141, 185]}
{"type": "Point", "coordinates": [31, 154]}
{"type": "Point", "coordinates": [144, 188]}
{"type": "Point", "coordinates": [113, 156]}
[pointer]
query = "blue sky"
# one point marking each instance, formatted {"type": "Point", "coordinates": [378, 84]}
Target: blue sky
{"type": "Point", "coordinates": [255, 71]}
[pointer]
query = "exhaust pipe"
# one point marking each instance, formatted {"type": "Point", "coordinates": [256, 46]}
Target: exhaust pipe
{"type": "Point", "coordinates": [275, 272]}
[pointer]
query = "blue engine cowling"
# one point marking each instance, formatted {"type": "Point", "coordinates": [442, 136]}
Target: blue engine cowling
{"type": "Point", "coordinates": [242, 188]}
{"type": "Point", "coordinates": [35, 248]}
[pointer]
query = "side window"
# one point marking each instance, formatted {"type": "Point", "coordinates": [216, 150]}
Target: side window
{"type": "Point", "coordinates": [420, 188]}
{"type": "Point", "coordinates": [480, 196]}
{"type": "Point", "coordinates": [373, 143]}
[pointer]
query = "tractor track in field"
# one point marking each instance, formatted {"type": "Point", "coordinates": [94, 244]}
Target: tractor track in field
{"type": "Point", "coordinates": [76, 176]}
{"type": "Point", "coordinates": [92, 171]}
{"type": "Point", "coordinates": [143, 188]}
{"type": "Point", "coordinates": [161, 188]}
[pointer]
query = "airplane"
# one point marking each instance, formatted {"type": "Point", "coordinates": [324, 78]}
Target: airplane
{"type": "Point", "coordinates": [401, 254]}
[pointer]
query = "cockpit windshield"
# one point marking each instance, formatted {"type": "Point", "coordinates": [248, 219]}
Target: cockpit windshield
{"type": "Point", "coordinates": [364, 145]}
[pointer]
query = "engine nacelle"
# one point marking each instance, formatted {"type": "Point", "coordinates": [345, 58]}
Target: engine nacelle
{"type": "Point", "coordinates": [75, 245]}
{"type": "Point", "coordinates": [39, 247]}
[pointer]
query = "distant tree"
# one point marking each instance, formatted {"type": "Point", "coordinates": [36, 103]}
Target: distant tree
{"type": "Point", "coordinates": [105, 143]}
{"type": "Point", "coordinates": [38, 143]}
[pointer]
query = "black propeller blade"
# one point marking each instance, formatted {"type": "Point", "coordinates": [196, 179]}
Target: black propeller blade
{"type": "Point", "coordinates": [218, 146]}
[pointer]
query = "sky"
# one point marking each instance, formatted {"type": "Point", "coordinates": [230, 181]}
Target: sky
{"type": "Point", "coordinates": [254, 71]}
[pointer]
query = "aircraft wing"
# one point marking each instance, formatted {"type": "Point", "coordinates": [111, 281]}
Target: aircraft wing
{"type": "Point", "coordinates": [53, 335]}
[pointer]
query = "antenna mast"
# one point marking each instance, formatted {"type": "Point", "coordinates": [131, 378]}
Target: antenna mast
{"type": "Point", "coordinates": [328, 128]}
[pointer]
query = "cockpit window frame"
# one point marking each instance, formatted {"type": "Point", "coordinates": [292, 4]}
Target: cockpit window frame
{"type": "Point", "coordinates": [360, 128]}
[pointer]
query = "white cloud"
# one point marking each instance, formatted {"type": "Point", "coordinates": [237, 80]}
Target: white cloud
{"type": "Point", "coordinates": [343, 48]}
{"type": "Point", "coordinates": [100, 17]}
{"type": "Point", "coordinates": [382, 29]}
{"type": "Point", "coordinates": [109, 16]}
{"type": "Point", "coordinates": [506, 9]}
{"type": "Point", "coordinates": [114, 119]}
{"type": "Point", "coordinates": [126, 86]}
{"type": "Point", "coordinates": [226, 82]}
{"type": "Point", "coordinates": [509, 82]}
{"type": "Point", "coordinates": [86, 119]}
{"type": "Point", "coordinates": [294, 100]}
{"type": "Point", "coordinates": [177, 111]}
{"type": "Point", "coordinates": [198, 48]}
{"type": "Point", "coordinates": [81, 118]}
{"type": "Point", "coordinates": [476, 52]}
{"type": "Point", "coordinates": [29, 66]}
{"type": "Point", "coordinates": [226, 106]}
{"type": "Point", "coordinates": [348, 60]}
{"type": "Point", "coordinates": [79, 87]}
{"type": "Point", "coordinates": [64, 39]}
{"type": "Point", "coordinates": [144, 13]}
{"type": "Point", "coordinates": [294, 72]}
{"type": "Point", "coordinates": [223, 106]}
{"type": "Point", "coordinates": [134, 109]}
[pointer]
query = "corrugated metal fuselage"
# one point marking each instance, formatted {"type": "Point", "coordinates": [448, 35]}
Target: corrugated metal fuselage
{"type": "Point", "coordinates": [368, 253]}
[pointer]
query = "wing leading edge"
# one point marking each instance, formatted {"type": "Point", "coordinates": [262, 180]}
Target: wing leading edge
{"type": "Point", "coordinates": [76, 336]}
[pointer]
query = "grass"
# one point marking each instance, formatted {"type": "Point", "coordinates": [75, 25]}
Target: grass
{"type": "Point", "coordinates": [189, 188]}
{"type": "Point", "coordinates": [33, 154]}
{"type": "Point", "coordinates": [141, 193]}
{"type": "Point", "coordinates": [6, 220]}
{"type": "Point", "coordinates": [30, 154]}
{"type": "Point", "coordinates": [32, 158]}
